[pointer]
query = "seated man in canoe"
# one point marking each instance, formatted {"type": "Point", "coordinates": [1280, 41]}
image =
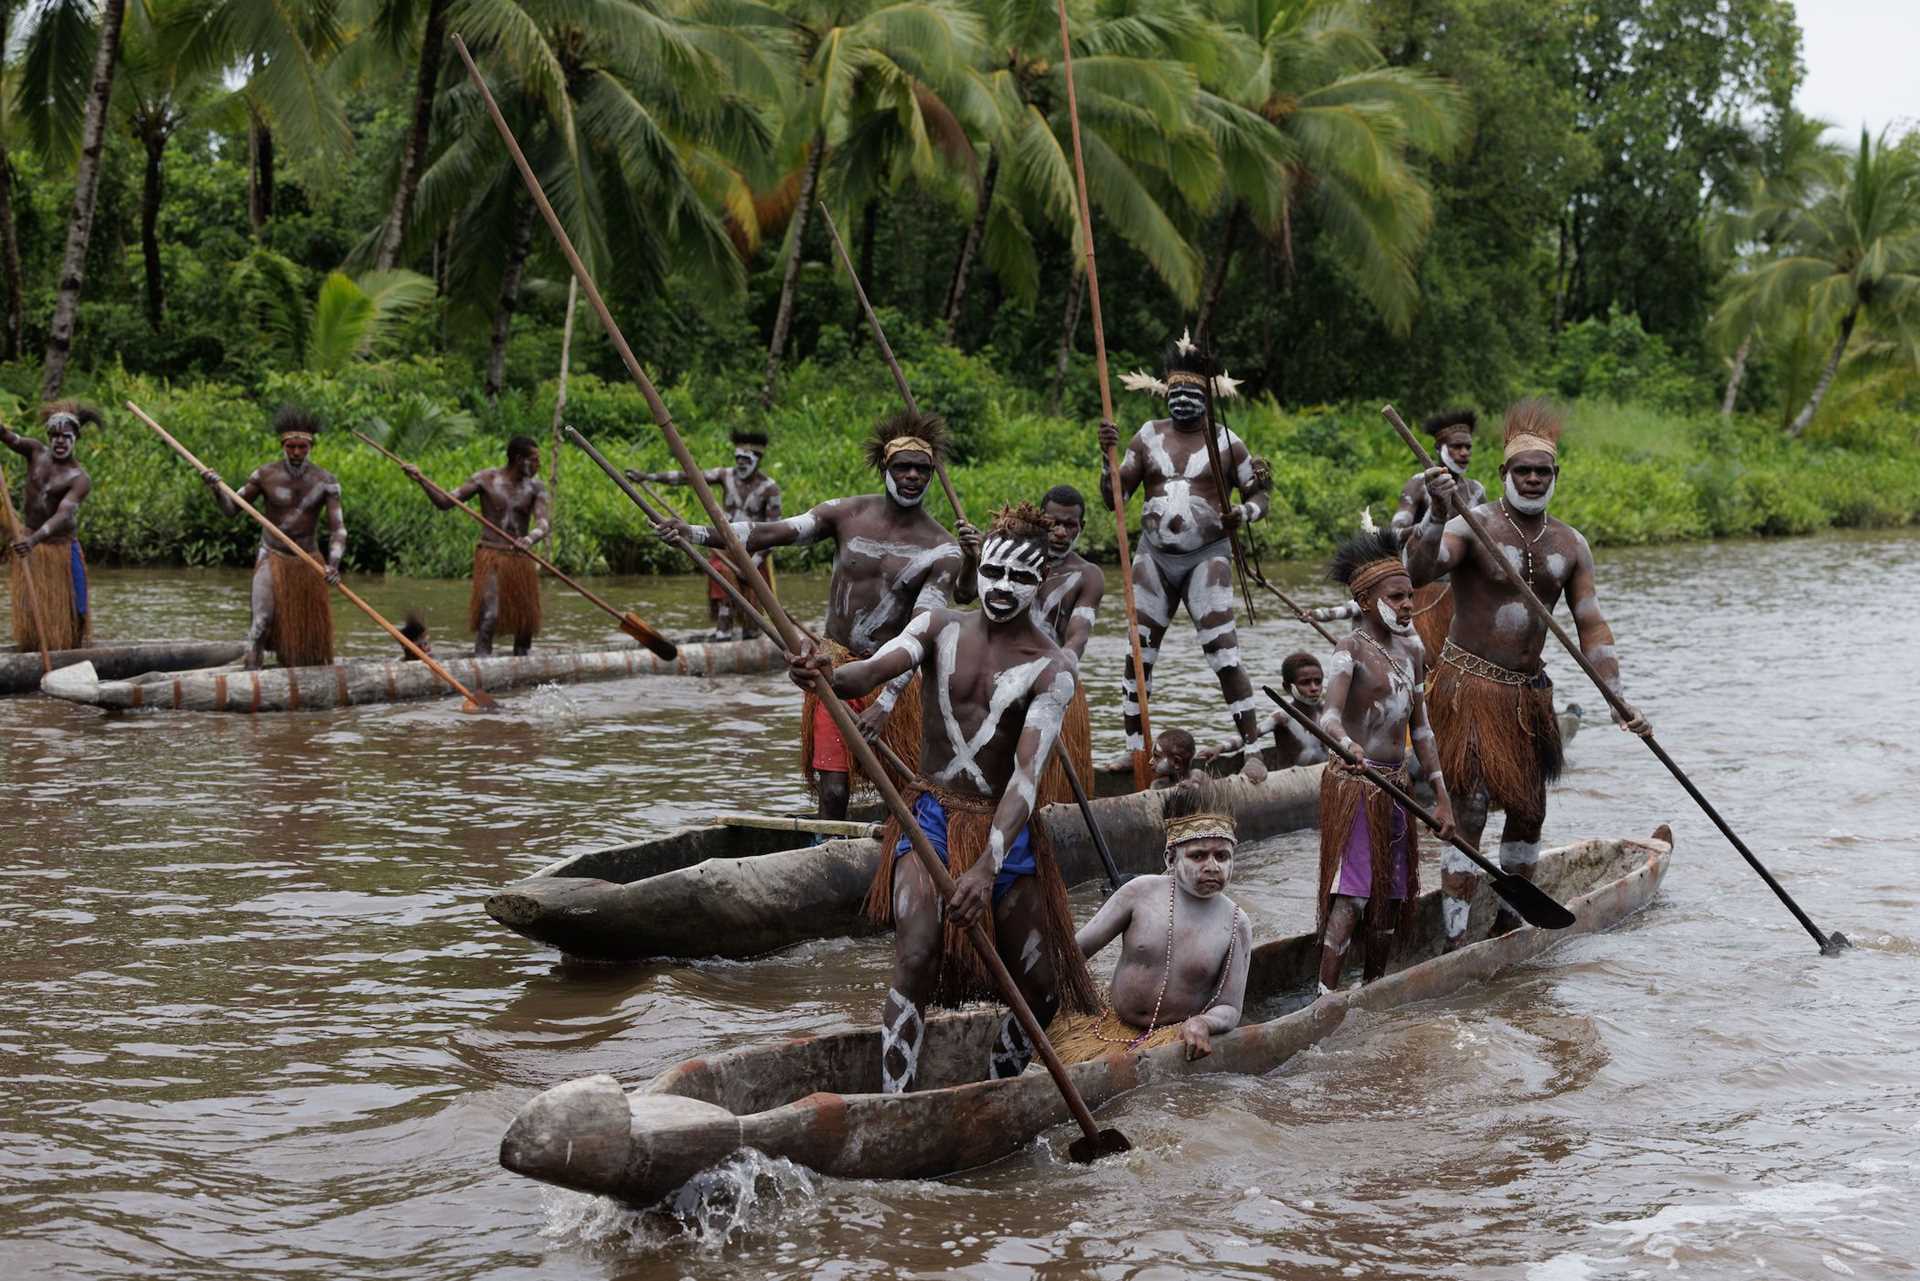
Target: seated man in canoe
{"type": "Point", "coordinates": [1069, 603]}
{"type": "Point", "coordinates": [506, 584]}
{"type": "Point", "coordinates": [1001, 687]}
{"type": "Point", "coordinates": [1185, 946]}
{"type": "Point", "coordinates": [892, 561]}
{"type": "Point", "coordinates": [747, 494]}
{"type": "Point", "coordinates": [1173, 751]}
{"type": "Point", "coordinates": [1303, 681]}
{"type": "Point", "coordinates": [1369, 850]}
{"type": "Point", "coordinates": [292, 609]}
{"type": "Point", "coordinates": [48, 575]}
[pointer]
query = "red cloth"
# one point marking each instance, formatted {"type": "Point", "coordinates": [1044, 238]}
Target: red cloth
{"type": "Point", "coordinates": [829, 749]}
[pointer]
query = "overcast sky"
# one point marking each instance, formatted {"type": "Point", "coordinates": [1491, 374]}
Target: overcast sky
{"type": "Point", "coordinates": [1861, 64]}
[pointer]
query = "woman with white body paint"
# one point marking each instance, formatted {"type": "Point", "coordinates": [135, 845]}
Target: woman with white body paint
{"type": "Point", "coordinates": [1452, 433]}
{"type": "Point", "coordinates": [747, 493]}
{"type": "Point", "coordinates": [1490, 698]}
{"type": "Point", "coordinates": [997, 688]}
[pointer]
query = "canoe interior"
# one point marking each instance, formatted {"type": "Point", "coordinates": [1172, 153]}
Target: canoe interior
{"type": "Point", "coordinates": [625, 864]}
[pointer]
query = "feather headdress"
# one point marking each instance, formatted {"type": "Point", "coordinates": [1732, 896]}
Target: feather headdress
{"type": "Point", "coordinates": [1533, 425]}
{"type": "Point", "coordinates": [907, 429]}
{"type": "Point", "coordinates": [1183, 362]}
{"type": "Point", "coordinates": [1365, 560]}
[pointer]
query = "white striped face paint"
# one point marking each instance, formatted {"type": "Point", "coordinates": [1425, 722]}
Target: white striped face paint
{"type": "Point", "coordinates": [1011, 571]}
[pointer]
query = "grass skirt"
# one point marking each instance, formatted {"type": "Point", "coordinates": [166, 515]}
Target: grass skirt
{"type": "Point", "coordinates": [1076, 744]}
{"type": "Point", "coordinates": [302, 631]}
{"type": "Point", "coordinates": [1077, 1038]}
{"type": "Point", "coordinates": [519, 591]}
{"type": "Point", "coordinates": [50, 566]}
{"type": "Point", "coordinates": [1343, 794]}
{"type": "Point", "coordinates": [1495, 729]}
{"type": "Point", "coordinates": [901, 732]}
{"type": "Point", "coordinates": [1433, 616]}
{"type": "Point", "coordinates": [962, 977]}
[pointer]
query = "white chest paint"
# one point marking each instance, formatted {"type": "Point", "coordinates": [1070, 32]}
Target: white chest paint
{"type": "Point", "coordinates": [1011, 686]}
{"type": "Point", "coordinates": [899, 566]}
{"type": "Point", "coordinates": [1176, 513]}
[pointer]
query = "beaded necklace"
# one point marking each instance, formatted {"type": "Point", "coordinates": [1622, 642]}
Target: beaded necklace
{"type": "Point", "coordinates": [1526, 544]}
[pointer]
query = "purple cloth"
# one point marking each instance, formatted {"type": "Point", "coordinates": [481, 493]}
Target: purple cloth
{"type": "Point", "coordinates": [1356, 861]}
{"type": "Point", "coordinates": [79, 567]}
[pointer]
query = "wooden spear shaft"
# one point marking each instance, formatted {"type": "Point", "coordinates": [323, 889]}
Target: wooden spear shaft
{"type": "Point", "coordinates": [790, 636]}
{"type": "Point", "coordinates": [10, 530]}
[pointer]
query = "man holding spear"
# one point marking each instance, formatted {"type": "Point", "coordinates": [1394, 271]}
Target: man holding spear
{"type": "Point", "coordinates": [506, 585]}
{"type": "Point", "coordinates": [49, 574]}
{"type": "Point", "coordinates": [750, 495]}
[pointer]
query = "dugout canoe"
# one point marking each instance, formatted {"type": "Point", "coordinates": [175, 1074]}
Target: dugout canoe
{"type": "Point", "coordinates": [20, 672]}
{"type": "Point", "coordinates": [741, 892]}
{"type": "Point", "coordinates": [813, 1100]}
{"type": "Point", "coordinates": [360, 681]}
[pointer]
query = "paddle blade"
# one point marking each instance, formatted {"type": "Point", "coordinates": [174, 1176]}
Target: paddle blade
{"type": "Point", "coordinates": [1533, 904]}
{"type": "Point", "coordinates": [1089, 1148]}
{"type": "Point", "coordinates": [479, 701]}
{"type": "Point", "coordinates": [636, 627]}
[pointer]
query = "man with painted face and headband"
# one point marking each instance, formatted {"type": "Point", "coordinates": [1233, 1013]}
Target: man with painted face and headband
{"type": "Point", "coordinates": [1184, 951]}
{"type": "Point", "coordinates": [1369, 847]}
{"type": "Point", "coordinates": [892, 561]}
{"type": "Point", "coordinates": [746, 494]}
{"type": "Point", "coordinates": [292, 607]}
{"type": "Point", "coordinates": [1185, 556]}
{"type": "Point", "coordinates": [998, 688]}
{"type": "Point", "coordinates": [1452, 434]}
{"type": "Point", "coordinates": [1491, 701]}
{"type": "Point", "coordinates": [51, 593]}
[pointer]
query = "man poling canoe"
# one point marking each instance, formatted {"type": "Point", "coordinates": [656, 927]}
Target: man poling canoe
{"type": "Point", "coordinates": [48, 572]}
{"type": "Point", "coordinates": [749, 495]}
{"type": "Point", "coordinates": [1452, 433]}
{"type": "Point", "coordinates": [506, 583]}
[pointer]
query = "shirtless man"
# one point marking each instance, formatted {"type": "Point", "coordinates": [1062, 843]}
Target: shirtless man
{"type": "Point", "coordinates": [1184, 555]}
{"type": "Point", "coordinates": [1369, 849]}
{"type": "Point", "coordinates": [48, 547]}
{"type": "Point", "coordinates": [1491, 700]}
{"type": "Point", "coordinates": [1452, 434]}
{"type": "Point", "coordinates": [746, 493]}
{"type": "Point", "coordinates": [891, 562]}
{"type": "Point", "coordinates": [1303, 682]}
{"type": "Point", "coordinates": [1196, 993]}
{"type": "Point", "coordinates": [292, 610]}
{"type": "Point", "coordinates": [506, 585]}
{"type": "Point", "coordinates": [1068, 604]}
{"type": "Point", "coordinates": [1001, 688]}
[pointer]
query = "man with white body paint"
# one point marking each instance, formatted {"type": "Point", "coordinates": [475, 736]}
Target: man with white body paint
{"type": "Point", "coordinates": [1369, 847]}
{"type": "Point", "coordinates": [1068, 605]}
{"type": "Point", "coordinates": [1185, 555]}
{"type": "Point", "coordinates": [997, 688]}
{"type": "Point", "coordinates": [47, 572]}
{"type": "Point", "coordinates": [747, 494]}
{"type": "Point", "coordinates": [1452, 434]}
{"type": "Point", "coordinates": [1491, 701]}
{"type": "Point", "coordinates": [891, 561]}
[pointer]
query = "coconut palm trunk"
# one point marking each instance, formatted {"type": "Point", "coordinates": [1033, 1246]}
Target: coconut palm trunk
{"type": "Point", "coordinates": [1737, 374]}
{"type": "Point", "coordinates": [1820, 388]}
{"type": "Point", "coordinates": [783, 315]}
{"type": "Point", "coordinates": [1217, 277]}
{"type": "Point", "coordinates": [1067, 326]}
{"type": "Point", "coordinates": [10, 259]}
{"type": "Point", "coordinates": [517, 251]}
{"type": "Point", "coordinates": [86, 186]}
{"type": "Point", "coordinates": [413, 160]}
{"type": "Point", "coordinates": [976, 232]}
{"type": "Point", "coordinates": [260, 180]}
{"type": "Point", "coordinates": [154, 141]}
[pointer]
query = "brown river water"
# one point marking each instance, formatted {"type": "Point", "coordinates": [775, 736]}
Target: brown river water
{"type": "Point", "coordinates": [254, 1022]}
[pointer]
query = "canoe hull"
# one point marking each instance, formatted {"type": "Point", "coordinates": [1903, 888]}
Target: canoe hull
{"type": "Point", "coordinates": [21, 673]}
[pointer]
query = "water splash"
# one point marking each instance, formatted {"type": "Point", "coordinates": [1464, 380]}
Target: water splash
{"type": "Point", "coordinates": [551, 702]}
{"type": "Point", "coordinates": [749, 1195]}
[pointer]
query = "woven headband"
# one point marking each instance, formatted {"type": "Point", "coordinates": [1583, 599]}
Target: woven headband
{"type": "Point", "coordinates": [297, 437]}
{"type": "Point", "coordinates": [1452, 430]}
{"type": "Point", "coordinates": [902, 444]}
{"type": "Point", "coordinates": [1201, 827]}
{"type": "Point", "coordinates": [1371, 575]}
{"type": "Point", "coordinates": [65, 420]}
{"type": "Point", "coordinates": [1182, 378]}
{"type": "Point", "coordinates": [1523, 444]}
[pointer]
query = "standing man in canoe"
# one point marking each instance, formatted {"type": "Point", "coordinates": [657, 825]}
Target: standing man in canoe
{"type": "Point", "coordinates": [746, 494]}
{"type": "Point", "coordinates": [1303, 682]}
{"type": "Point", "coordinates": [292, 609]}
{"type": "Point", "coordinates": [1184, 952]}
{"type": "Point", "coordinates": [1069, 603]}
{"type": "Point", "coordinates": [1369, 849]}
{"type": "Point", "coordinates": [1185, 555]}
{"type": "Point", "coordinates": [891, 561]}
{"type": "Point", "coordinates": [1001, 686]}
{"type": "Point", "coordinates": [1452, 434]}
{"type": "Point", "coordinates": [1491, 700]}
{"type": "Point", "coordinates": [48, 546]}
{"type": "Point", "coordinates": [506, 583]}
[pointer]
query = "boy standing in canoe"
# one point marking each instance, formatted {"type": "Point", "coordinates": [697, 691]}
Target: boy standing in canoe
{"type": "Point", "coordinates": [998, 688]}
{"type": "Point", "coordinates": [1452, 434]}
{"type": "Point", "coordinates": [47, 545]}
{"type": "Point", "coordinates": [1369, 852]}
{"type": "Point", "coordinates": [292, 609]}
{"type": "Point", "coordinates": [1068, 604]}
{"type": "Point", "coordinates": [1304, 682]}
{"type": "Point", "coordinates": [506, 584]}
{"type": "Point", "coordinates": [746, 494]}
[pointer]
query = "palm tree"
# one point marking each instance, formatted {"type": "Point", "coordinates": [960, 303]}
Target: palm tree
{"type": "Point", "coordinates": [1852, 252]}
{"type": "Point", "coordinates": [1349, 130]}
{"type": "Point", "coordinates": [9, 233]}
{"type": "Point", "coordinates": [395, 26]}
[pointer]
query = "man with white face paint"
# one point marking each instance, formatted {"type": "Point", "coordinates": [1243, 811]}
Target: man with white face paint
{"type": "Point", "coordinates": [292, 608]}
{"type": "Point", "coordinates": [892, 561]}
{"type": "Point", "coordinates": [1185, 946]}
{"type": "Point", "coordinates": [997, 689]}
{"type": "Point", "coordinates": [1491, 700]}
{"type": "Point", "coordinates": [1185, 556]}
{"type": "Point", "coordinates": [1452, 433]}
{"type": "Point", "coordinates": [746, 494]}
{"type": "Point", "coordinates": [48, 546]}
{"type": "Point", "coordinates": [1369, 849]}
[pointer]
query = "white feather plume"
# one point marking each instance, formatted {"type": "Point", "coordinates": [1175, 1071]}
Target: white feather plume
{"type": "Point", "coordinates": [1141, 380]}
{"type": "Point", "coordinates": [1366, 520]}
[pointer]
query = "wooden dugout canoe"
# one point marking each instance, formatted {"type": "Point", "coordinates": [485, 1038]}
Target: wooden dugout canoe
{"type": "Point", "coordinates": [20, 672]}
{"type": "Point", "coordinates": [361, 681]}
{"type": "Point", "coordinates": [740, 892]}
{"type": "Point", "coordinates": [813, 1099]}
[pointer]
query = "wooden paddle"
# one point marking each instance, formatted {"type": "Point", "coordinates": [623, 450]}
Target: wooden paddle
{"type": "Point", "coordinates": [790, 823]}
{"type": "Point", "coordinates": [9, 535]}
{"type": "Point", "coordinates": [477, 700]}
{"type": "Point", "coordinates": [1094, 1141]}
{"type": "Point", "coordinates": [1830, 944]}
{"type": "Point", "coordinates": [1535, 905]}
{"type": "Point", "coordinates": [1142, 759]}
{"type": "Point", "coordinates": [630, 623]}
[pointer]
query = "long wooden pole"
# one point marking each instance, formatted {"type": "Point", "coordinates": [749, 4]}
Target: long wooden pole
{"type": "Point", "coordinates": [10, 530]}
{"type": "Point", "coordinates": [1218, 467]}
{"type": "Point", "coordinates": [477, 700]}
{"type": "Point", "coordinates": [1094, 1138]}
{"type": "Point", "coordinates": [560, 406]}
{"type": "Point", "coordinates": [1142, 759]}
{"type": "Point", "coordinates": [630, 623]}
{"type": "Point", "coordinates": [1829, 943]}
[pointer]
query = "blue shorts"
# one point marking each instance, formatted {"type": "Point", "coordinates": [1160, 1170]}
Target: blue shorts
{"type": "Point", "coordinates": [933, 821]}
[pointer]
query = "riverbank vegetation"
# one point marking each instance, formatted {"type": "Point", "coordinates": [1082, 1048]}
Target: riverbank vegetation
{"type": "Point", "coordinates": [1614, 202]}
